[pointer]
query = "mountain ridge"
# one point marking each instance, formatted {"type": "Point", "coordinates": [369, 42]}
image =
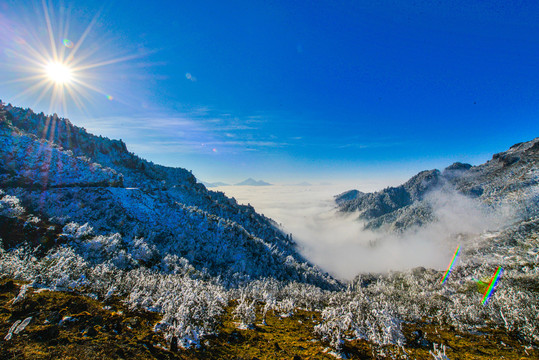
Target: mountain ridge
{"type": "Point", "coordinates": [510, 177]}
{"type": "Point", "coordinates": [64, 174]}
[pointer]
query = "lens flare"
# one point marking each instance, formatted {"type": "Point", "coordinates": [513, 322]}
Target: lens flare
{"type": "Point", "coordinates": [492, 285]}
{"type": "Point", "coordinates": [68, 43]}
{"type": "Point", "coordinates": [446, 275]}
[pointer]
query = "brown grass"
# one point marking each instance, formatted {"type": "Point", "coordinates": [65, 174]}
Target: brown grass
{"type": "Point", "coordinates": [98, 332]}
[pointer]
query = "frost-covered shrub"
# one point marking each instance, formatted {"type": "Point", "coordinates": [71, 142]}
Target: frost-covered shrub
{"type": "Point", "coordinates": [335, 325]}
{"type": "Point", "coordinates": [122, 253]}
{"type": "Point", "coordinates": [354, 313]}
{"type": "Point", "coordinates": [173, 264]}
{"type": "Point", "coordinates": [102, 279]}
{"type": "Point", "coordinates": [305, 296]}
{"type": "Point", "coordinates": [62, 268]}
{"type": "Point", "coordinates": [77, 232]}
{"type": "Point", "coordinates": [106, 248]}
{"type": "Point", "coordinates": [438, 352]}
{"type": "Point", "coordinates": [191, 308]}
{"type": "Point", "coordinates": [10, 206]}
{"type": "Point", "coordinates": [18, 263]}
{"type": "Point", "coordinates": [285, 296]}
{"type": "Point", "coordinates": [381, 326]}
{"type": "Point", "coordinates": [286, 306]}
{"type": "Point", "coordinates": [518, 310]}
{"type": "Point", "coordinates": [245, 312]}
{"type": "Point", "coordinates": [142, 251]}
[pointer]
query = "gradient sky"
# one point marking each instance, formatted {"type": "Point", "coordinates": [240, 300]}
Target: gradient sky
{"type": "Point", "coordinates": [290, 91]}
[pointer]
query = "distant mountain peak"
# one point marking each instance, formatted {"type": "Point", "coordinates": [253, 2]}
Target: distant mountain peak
{"type": "Point", "coordinates": [253, 182]}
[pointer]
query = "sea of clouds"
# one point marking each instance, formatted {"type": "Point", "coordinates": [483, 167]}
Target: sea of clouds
{"type": "Point", "coordinates": [338, 243]}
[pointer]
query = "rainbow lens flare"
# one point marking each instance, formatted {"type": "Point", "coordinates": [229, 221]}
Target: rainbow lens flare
{"type": "Point", "coordinates": [446, 275]}
{"type": "Point", "coordinates": [492, 285]}
{"type": "Point", "coordinates": [68, 43]}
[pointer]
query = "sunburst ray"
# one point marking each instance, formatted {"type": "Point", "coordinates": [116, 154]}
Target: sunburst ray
{"type": "Point", "coordinates": [60, 65]}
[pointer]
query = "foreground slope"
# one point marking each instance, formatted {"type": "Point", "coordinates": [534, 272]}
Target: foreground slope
{"type": "Point", "coordinates": [69, 325]}
{"type": "Point", "coordinates": [510, 179]}
{"type": "Point", "coordinates": [62, 174]}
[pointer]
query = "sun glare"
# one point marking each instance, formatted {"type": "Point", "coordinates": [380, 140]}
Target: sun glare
{"type": "Point", "coordinates": [59, 73]}
{"type": "Point", "coordinates": [53, 63]}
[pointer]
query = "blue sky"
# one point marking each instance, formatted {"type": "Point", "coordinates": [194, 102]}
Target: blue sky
{"type": "Point", "coordinates": [286, 91]}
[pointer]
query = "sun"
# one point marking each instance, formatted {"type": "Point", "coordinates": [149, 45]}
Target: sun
{"type": "Point", "coordinates": [59, 73]}
{"type": "Point", "coordinates": [66, 64]}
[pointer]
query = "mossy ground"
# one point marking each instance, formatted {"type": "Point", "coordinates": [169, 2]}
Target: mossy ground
{"type": "Point", "coordinates": [93, 332]}
{"type": "Point", "coordinates": [109, 330]}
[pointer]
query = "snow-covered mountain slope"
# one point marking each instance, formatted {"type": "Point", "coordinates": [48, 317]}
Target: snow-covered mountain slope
{"type": "Point", "coordinates": [510, 179]}
{"type": "Point", "coordinates": [30, 162]}
{"type": "Point", "coordinates": [62, 174]}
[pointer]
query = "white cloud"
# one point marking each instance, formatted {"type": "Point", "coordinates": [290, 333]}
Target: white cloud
{"type": "Point", "coordinates": [185, 133]}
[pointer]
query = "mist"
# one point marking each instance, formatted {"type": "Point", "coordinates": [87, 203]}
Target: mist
{"type": "Point", "coordinates": [339, 244]}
